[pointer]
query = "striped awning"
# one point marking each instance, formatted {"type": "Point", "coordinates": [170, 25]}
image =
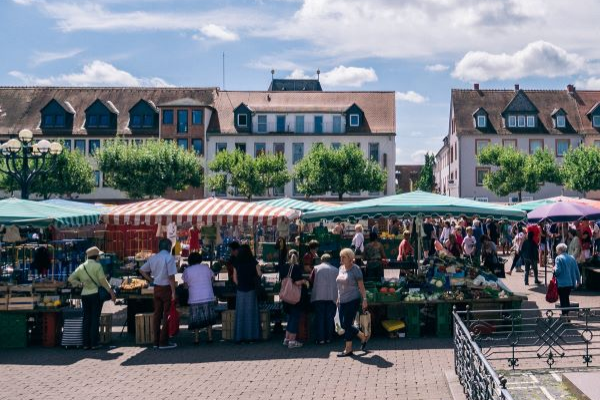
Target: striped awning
{"type": "Point", "coordinates": [35, 213]}
{"type": "Point", "coordinates": [298, 205]}
{"type": "Point", "coordinates": [206, 212]}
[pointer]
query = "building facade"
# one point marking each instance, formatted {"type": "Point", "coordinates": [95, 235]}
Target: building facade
{"type": "Point", "coordinates": [289, 118]}
{"type": "Point", "coordinates": [528, 120]}
{"type": "Point", "coordinates": [407, 177]}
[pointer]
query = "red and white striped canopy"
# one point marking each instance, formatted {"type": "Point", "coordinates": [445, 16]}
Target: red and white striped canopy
{"type": "Point", "coordinates": [206, 211]}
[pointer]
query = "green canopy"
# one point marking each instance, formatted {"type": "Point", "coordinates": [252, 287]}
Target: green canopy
{"type": "Point", "coordinates": [298, 205]}
{"type": "Point", "coordinates": [532, 205]}
{"type": "Point", "coordinates": [26, 212]}
{"type": "Point", "coordinates": [415, 204]}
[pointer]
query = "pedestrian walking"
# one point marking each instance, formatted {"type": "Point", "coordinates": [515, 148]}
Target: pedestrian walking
{"type": "Point", "coordinates": [529, 252]}
{"type": "Point", "coordinates": [246, 275]}
{"type": "Point", "coordinates": [323, 298]}
{"type": "Point", "coordinates": [294, 311]}
{"type": "Point", "coordinates": [567, 275]}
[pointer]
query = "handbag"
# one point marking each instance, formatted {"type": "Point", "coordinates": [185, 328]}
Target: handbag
{"type": "Point", "coordinates": [364, 322]}
{"type": "Point", "coordinates": [103, 294]}
{"type": "Point", "coordinates": [338, 324]}
{"type": "Point", "coordinates": [173, 320]}
{"type": "Point", "coordinates": [290, 293]}
{"type": "Point", "coordinates": [552, 292]}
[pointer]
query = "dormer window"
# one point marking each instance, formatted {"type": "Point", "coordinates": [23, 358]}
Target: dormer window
{"type": "Point", "coordinates": [596, 121]}
{"type": "Point", "coordinates": [242, 120]}
{"type": "Point", "coordinates": [101, 115]}
{"type": "Point", "coordinates": [481, 121]}
{"type": "Point", "coordinates": [561, 121]}
{"type": "Point", "coordinates": [57, 115]}
{"type": "Point", "coordinates": [521, 121]}
{"type": "Point", "coordinates": [144, 115]}
{"type": "Point", "coordinates": [531, 121]}
{"type": "Point", "coordinates": [512, 121]}
{"type": "Point", "coordinates": [354, 120]}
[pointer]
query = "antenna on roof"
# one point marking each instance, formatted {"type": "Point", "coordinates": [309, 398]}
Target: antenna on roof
{"type": "Point", "coordinates": [223, 70]}
{"type": "Point", "coordinates": [272, 75]}
{"type": "Point", "coordinates": [318, 73]}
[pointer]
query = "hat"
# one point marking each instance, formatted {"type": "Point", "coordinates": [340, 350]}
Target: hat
{"type": "Point", "coordinates": [93, 251]}
{"type": "Point", "coordinates": [234, 245]}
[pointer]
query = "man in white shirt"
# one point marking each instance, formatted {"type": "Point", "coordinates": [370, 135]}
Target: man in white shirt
{"type": "Point", "coordinates": [161, 269]}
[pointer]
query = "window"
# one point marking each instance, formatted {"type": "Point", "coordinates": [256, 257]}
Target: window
{"type": "Point", "coordinates": [279, 148]}
{"type": "Point", "coordinates": [94, 145]}
{"type": "Point", "coordinates": [167, 117]}
{"type": "Point", "coordinates": [299, 124]}
{"type": "Point", "coordinates": [336, 145]}
{"type": "Point", "coordinates": [337, 124]}
{"type": "Point", "coordinates": [183, 143]}
{"type": "Point", "coordinates": [104, 120]}
{"type": "Point", "coordinates": [297, 152]}
{"type": "Point", "coordinates": [97, 179]}
{"type": "Point", "coordinates": [182, 121]}
{"type": "Point", "coordinates": [319, 124]}
{"type": "Point", "coordinates": [597, 143]}
{"type": "Point", "coordinates": [481, 144]}
{"type": "Point", "coordinates": [535, 145]}
{"type": "Point", "coordinates": [221, 147]}
{"type": "Point", "coordinates": [521, 121]}
{"type": "Point", "coordinates": [374, 152]}
{"type": "Point", "coordinates": [242, 120]}
{"type": "Point", "coordinates": [481, 121]}
{"type": "Point", "coordinates": [562, 145]}
{"type": "Point", "coordinates": [80, 145]}
{"type": "Point", "coordinates": [196, 117]}
{"type": "Point", "coordinates": [480, 175]}
{"type": "Point", "coordinates": [48, 120]}
{"type": "Point", "coordinates": [531, 121]}
{"type": "Point", "coordinates": [596, 121]}
{"type": "Point", "coordinates": [354, 120]}
{"type": "Point", "coordinates": [512, 121]}
{"type": "Point", "coordinates": [197, 146]}
{"type": "Point", "coordinates": [259, 149]}
{"type": "Point", "coordinates": [148, 121]}
{"type": "Point", "coordinates": [561, 121]}
{"type": "Point", "coordinates": [59, 121]}
{"type": "Point", "coordinates": [241, 147]}
{"type": "Point", "coordinates": [66, 144]}
{"type": "Point", "coordinates": [281, 123]}
{"type": "Point", "coordinates": [92, 121]}
{"type": "Point", "coordinates": [136, 121]}
{"type": "Point", "coordinates": [262, 123]}
{"type": "Point", "coordinates": [509, 143]}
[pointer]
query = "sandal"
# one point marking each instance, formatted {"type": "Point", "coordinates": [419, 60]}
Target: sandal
{"type": "Point", "coordinates": [344, 354]}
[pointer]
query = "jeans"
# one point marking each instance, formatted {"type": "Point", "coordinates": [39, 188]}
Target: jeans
{"type": "Point", "coordinates": [563, 295]}
{"type": "Point", "coordinates": [293, 322]}
{"type": "Point", "coordinates": [324, 315]}
{"type": "Point", "coordinates": [162, 306]}
{"type": "Point", "coordinates": [528, 265]}
{"type": "Point", "coordinates": [515, 262]}
{"type": "Point", "coordinates": [347, 315]}
{"type": "Point", "coordinates": [92, 308]}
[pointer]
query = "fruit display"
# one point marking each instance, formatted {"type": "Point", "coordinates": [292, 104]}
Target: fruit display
{"type": "Point", "coordinates": [415, 296]}
{"type": "Point", "coordinates": [50, 302]}
{"type": "Point", "coordinates": [133, 284]}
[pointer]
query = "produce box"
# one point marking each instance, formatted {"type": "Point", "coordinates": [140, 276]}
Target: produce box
{"type": "Point", "coordinates": [22, 298]}
{"type": "Point", "coordinates": [13, 330]}
{"type": "Point", "coordinates": [388, 297]}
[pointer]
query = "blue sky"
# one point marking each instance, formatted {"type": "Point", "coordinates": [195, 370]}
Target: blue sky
{"type": "Point", "coordinates": [418, 48]}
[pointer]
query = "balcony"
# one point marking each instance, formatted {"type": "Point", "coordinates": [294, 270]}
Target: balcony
{"type": "Point", "coordinates": [290, 127]}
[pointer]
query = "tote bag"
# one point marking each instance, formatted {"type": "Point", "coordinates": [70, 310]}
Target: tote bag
{"type": "Point", "coordinates": [173, 320]}
{"type": "Point", "coordinates": [290, 293]}
{"type": "Point", "coordinates": [552, 293]}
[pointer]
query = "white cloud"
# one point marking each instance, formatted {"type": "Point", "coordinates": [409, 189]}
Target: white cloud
{"type": "Point", "coordinates": [418, 157]}
{"type": "Point", "coordinates": [212, 31]}
{"type": "Point", "coordinates": [591, 83]}
{"type": "Point", "coordinates": [339, 76]}
{"type": "Point", "coordinates": [42, 57]}
{"type": "Point", "coordinates": [536, 59]}
{"type": "Point", "coordinates": [411, 97]}
{"type": "Point", "coordinates": [299, 74]}
{"type": "Point", "coordinates": [437, 68]}
{"type": "Point", "coordinates": [96, 73]}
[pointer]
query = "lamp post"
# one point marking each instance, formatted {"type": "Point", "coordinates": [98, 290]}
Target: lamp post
{"type": "Point", "coordinates": [24, 159]}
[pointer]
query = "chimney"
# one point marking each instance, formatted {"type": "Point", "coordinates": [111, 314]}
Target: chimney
{"type": "Point", "coordinates": [570, 89]}
{"type": "Point", "coordinates": [516, 87]}
{"type": "Point", "coordinates": [476, 86]}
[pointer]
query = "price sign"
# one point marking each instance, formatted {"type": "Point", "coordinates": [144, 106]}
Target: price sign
{"type": "Point", "coordinates": [209, 232]}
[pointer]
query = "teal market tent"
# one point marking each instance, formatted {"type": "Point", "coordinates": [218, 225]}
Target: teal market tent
{"type": "Point", "coordinates": [101, 208]}
{"type": "Point", "coordinates": [415, 204]}
{"type": "Point", "coordinates": [528, 206]}
{"type": "Point", "coordinates": [26, 212]}
{"type": "Point", "coordinates": [298, 205]}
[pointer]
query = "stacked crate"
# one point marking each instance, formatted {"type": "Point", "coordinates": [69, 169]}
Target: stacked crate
{"type": "Point", "coordinates": [265, 325]}
{"type": "Point", "coordinates": [228, 322]}
{"type": "Point", "coordinates": [4, 295]}
{"type": "Point", "coordinates": [144, 332]}
{"type": "Point", "coordinates": [105, 328]}
{"type": "Point", "coordinates": [22, 298]}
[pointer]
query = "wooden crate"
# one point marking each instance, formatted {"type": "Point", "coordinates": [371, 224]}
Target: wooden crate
{"type": "Point", "coordinates": [144, 332]}
{"type": "Point", "coordinates": [105, 328]}
{"type": "Point", "coordinates": [22, 298]}
{"type": "Point", "coordinates": [228, 322]}
{"type": "Point", "coordinates": [4, 298]}
{"type": "Point", "coordinates": [265, 325]}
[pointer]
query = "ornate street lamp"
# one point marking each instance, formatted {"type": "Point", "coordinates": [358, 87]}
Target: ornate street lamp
{"type": "Point", "coordinates": [18, 153]}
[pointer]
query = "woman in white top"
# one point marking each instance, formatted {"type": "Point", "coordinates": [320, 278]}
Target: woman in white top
{"type": "Point", "coordinates": [198, 278]}
{"type": "Point", "coordinates": [358, 241]}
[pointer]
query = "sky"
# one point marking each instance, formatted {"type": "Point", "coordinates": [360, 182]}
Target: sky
{"type": "Point", "coordinates": [420, 49]}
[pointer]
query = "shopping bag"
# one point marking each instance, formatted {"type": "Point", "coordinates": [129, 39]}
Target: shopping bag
{"type": "Point", "coordinates": [552, 292]}
{"type": "Point", "coordinates": [290, 292]}
{"type": "Point", "coordinates": [338, 325]}
{"type": "Point", "coordinates": [364, 322]}
{"type": "Point", "coordinates": [173, 320]}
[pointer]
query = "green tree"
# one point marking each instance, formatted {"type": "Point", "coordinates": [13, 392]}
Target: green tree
{"type": "Point", "coordinates": [239, 173]}
{"type": "Point", "coordinates": [149, 169]}
{"type": "Point", "coordinates": [426, 181]}
{"type": "Point", "coordinates": [516, 172]}
{"type": "Point", "coordinates": [73, 174]}
{"type": "Point", "coordinates": [581, 168]}
{"type": "Point", "coordinates": [341, 171]}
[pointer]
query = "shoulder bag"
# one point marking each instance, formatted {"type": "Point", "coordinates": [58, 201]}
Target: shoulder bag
{"type": "Point", "coordinates": [290, 292]}
{"type": "Point", "coordinates": [552, 292]}
{"type": "Point", "coordinates": [102, 292]}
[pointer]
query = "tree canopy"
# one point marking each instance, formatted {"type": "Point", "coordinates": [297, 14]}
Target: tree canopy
{"type": "Point", "coordinates": [426, 181]}
{"type": "Point", "coordinates": [516, 172]}
{"type": "Point", "coordinates": [341, 171]}
{"type": "Point", "coordinates": [239, 173]}
{"type": "Point", "coordinates": [72, 174]}
{"type": "Point", "coordinates": [150, 168]}
{"type": "Point", "coordinates": [581, 168]}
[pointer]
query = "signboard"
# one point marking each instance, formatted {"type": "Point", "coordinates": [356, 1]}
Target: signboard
{"type": "Point", "coordinates": [209, 232]}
